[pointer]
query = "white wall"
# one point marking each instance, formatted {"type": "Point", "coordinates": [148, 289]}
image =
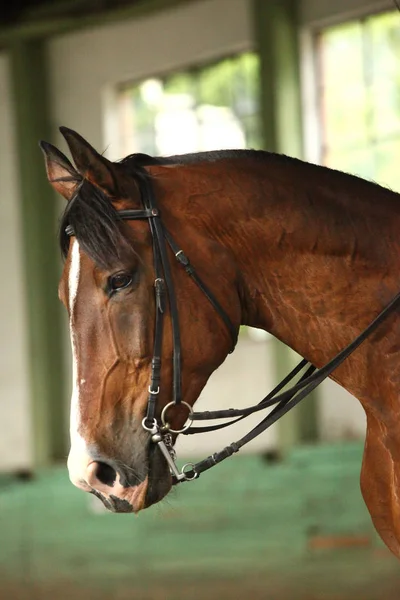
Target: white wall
{"type": "Point", "coordinates": [85, 68]}
{"type": "Point", "coordinates": [15, 441]}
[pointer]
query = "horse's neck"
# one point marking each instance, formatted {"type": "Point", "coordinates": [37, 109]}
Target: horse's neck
{"type": "Point", "coordinates": [318, 252]}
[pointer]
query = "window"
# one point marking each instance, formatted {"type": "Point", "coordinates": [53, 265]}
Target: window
{"type": "Point", "coordinates": [204, 108]}
{"type": "Point", "coordinates": [211, 107]}
{"type": "Point", "coordinates": [359, 97]}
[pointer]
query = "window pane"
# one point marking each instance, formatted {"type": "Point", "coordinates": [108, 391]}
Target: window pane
{"type": "Point", "coordinates": [345, 116]}
{"type": "Point", "coordinates": [176, 125]}
{"type": "Point", "coordinates": [180, 83]}
{"type": "Point", "coordinates": [341, 56]}
{"type": "Point", "coordinates": [357, 162]}
{"type": "Point", "coordinates": [386, 108]}
{"type": "Point", "coordinates": [387, 164]}
{"type": "Point", "coordinates": [215, 84]}
{"type": "Point", "coordinates": [136, 122]}
{"type": "Point", "coordinates": [252, 132]}
{"type": "Point", "coordinates": [384, 32]}
{"type": "Point", "coordinates": [360, 97]}
{"type": "Point", "coordinates": [205, 108]}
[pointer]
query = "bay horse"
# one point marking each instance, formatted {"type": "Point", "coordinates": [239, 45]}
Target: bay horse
{"type": "Point", "coordinates": [309, 254]}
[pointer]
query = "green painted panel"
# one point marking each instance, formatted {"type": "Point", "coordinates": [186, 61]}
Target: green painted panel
{"type": "Point", "coordinates": [276, 36]}
{"type": "Point", "coordinates": [41, 264]}
{"type": "Point", "coordinates": [298, 529]}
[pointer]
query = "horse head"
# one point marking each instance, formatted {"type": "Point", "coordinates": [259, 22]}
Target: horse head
{"type": "Point", "coordinates": [113, 294]}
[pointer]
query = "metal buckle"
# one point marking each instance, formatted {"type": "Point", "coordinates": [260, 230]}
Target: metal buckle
{"type": "Point", "coordinates": [152, 392]}
{"type": "Point", "coordinates": [154, 427]}
{"type": "Point", "coordinates": [189, 417]}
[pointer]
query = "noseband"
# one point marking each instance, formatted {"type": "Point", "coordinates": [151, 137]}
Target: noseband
{"type": "Point", "coordinates": [161, 432]}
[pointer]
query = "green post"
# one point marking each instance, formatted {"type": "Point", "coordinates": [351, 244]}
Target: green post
{"type": "Point", "coordinates": [276, 37]}
{"type": "Point", "coordinates": [41, 264]}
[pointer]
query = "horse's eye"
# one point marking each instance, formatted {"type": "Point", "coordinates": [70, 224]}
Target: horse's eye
{"type": "Point", "coordinates": [119, 281]}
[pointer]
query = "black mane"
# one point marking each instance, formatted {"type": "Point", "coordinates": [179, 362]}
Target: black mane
{"type": "Point", "coordinates": [145, 160]}
{"type": "Point", "coordinates": [96, 225]}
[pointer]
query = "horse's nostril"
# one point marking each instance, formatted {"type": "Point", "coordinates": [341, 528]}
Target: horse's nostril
{"type": "Point", "coordinates": [105, 474]}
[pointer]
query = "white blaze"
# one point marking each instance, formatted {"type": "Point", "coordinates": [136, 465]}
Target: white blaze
{"type": "Point", "coordinates": [77, 442]}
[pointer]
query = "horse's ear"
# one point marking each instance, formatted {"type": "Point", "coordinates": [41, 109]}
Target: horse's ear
{"type": "Point", "coordinates": [91, 165]}
{"type": "Point", "coordinates": [64, 178]}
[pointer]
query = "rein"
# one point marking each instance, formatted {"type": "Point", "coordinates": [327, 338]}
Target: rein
{"type": "Point", "coordinates": [282, 401]}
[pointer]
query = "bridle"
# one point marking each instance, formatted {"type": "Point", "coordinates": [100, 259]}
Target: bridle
{"type": "Point", "coordinates": [282, 401]}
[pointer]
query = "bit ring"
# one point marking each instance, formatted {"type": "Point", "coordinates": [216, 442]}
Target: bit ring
{"type": "Point", "coordinates": [189, 417]}
{"type": "Point", "coordinates": [190, 467]}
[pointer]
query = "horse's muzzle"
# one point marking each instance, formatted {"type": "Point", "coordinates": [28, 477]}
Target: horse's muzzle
{"type": "Point", "coordinates": [120, 488]}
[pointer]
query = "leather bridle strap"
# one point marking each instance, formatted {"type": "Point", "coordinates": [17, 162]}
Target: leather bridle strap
{"type": "Point", "coordinates": [159, 289]}
{"type": "Point", "coordinates": [312, 381]}
{"type": "Point", "coordinates": [286, 400]}
{"type": "Point", "coordinates": [186, 264]}
{"type": "Point", "coordinates": [161, 262]}
{"type": "Point", "coordinates": [163, 284]}
{"type": "Point", "coordinates": [281, 409]}
{"type": "Point", "coordinates": [163, 280]}
{"type": "Point", "coordinates": [268, 401]}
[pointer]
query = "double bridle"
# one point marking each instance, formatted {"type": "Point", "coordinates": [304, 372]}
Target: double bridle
{"type": "Point", "coordinates": [161, 432]}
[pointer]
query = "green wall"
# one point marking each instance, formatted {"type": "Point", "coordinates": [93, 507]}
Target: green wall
{"type": "Point", "coordinates": [41, 264]}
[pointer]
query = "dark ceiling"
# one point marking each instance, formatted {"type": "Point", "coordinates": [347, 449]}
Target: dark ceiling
{"type": "Point", "coordinates": [16, 11]}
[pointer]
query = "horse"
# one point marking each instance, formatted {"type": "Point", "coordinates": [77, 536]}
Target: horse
{"type": "Point", "coordinates": [309, 254]}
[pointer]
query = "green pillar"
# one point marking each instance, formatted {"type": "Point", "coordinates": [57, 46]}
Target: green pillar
{"type": "Point", "coordinates": [41, 258]}
{"type": "Point", "coordinates": [276, 38]}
